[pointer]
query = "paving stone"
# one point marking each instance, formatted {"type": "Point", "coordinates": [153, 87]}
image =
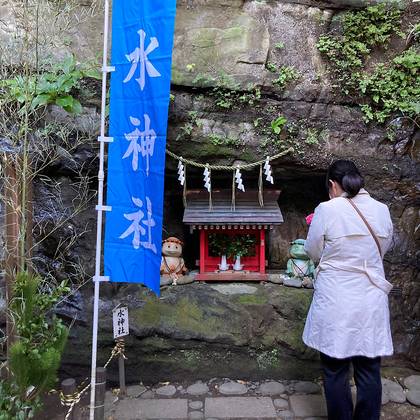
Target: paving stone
{"type": "Point", "coordinates": [308, 405]}
{"type": "Point", "coordinates": [413, 396]}
{"type": "Point", "coordinates": [385, 398]}
{"type": "Point", "coordinates": [412, 382]}
{"type": "Point", "coordinates": [167, 391]}
{"type": "Point", "coordinates": [281, 403]}
{"type": "Point", "coordinates": [286, 415]}
{"type": "Point", "coordinates": [394, 391]}
{"type": "Point", "coordinates": [305, 387]}
{"type": "Point", "coordinates": [173, 408]}
{"type": "Point", "coordinates": [135, 390]}
{"type": "Point", "coordinates": [147, 395]}
{"type": "Point", "coordinates": [110, 400]}
{"type": "Point", "coordinates": [271, 388]}
{"type": "Point", "coordinates": [195, 415]}
{"type": "Point", "coordinates": [199, 388]}
{"type": "Point", "coordinates": [237, 407]}
{"type": "Point", "coordinates": [196, 405]}
{"type": "Point", "coordinates": [234, 289]}
{"type": "Point", "coordinates": [233, 388]}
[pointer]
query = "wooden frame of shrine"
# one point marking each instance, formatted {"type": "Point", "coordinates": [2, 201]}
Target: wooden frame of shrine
{"type": "Point", "coordinates": [248, 216]}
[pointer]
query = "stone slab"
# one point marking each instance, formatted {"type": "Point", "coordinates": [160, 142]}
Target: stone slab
{"type": "Point", "coordinates": [167, 391]}
{"type": "Point", "coordinates": [234, 289]}
{"type": "Point", "coordinates": [239, 407]}
{"type": "Point", "coordinates": [233, 388]}
{"type": "Point", "coordinates": [412, 382]}
{"type": "Point", "coordinates": [199, 388]}
{"type": "Point", "coordinates": [135, 390]}
{"type": "Point", "coordinates": [413, 396]}
{"type": "Point", "coordinates": [308, 405]}
{"type": "Point", "coordinates": [305, 387]}
{"type": "Point", "coordinates": [271, 388]}
{"type": "Point", "coordinates": [394, 391]}
{"type": "Point", "coordinates": [133, 409]}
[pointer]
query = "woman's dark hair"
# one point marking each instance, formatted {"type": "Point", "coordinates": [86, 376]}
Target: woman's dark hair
{"type": "Point", "coordinates": [345, 172]}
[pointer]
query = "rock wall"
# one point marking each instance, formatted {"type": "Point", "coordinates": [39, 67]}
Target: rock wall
{"type": "Point", "coordinates": [222, 43]}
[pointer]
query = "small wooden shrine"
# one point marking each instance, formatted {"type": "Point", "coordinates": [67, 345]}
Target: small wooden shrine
{"type": "Point", "coordinates": [250, 216]}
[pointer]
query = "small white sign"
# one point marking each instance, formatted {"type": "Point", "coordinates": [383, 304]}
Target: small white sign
{"type": "Point", "coordinates": [120, 321]}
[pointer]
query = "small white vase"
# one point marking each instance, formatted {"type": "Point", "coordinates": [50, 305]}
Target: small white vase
{"type": "Point", "coordinates": [238, 266]}
{"type": "Point", "coordinates": [224, 266]}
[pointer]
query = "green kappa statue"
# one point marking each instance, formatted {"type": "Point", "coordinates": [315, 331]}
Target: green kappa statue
{"type": "Point", "coordinates": [299, 265]}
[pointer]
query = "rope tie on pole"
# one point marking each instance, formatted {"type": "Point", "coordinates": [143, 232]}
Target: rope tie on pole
{"type": "Point", "coordinates": [72, 399]}
{"type": "Point", "coordinates": [118, 350]}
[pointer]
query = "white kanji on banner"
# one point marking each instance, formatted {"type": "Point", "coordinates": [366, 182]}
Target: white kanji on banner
{"type": "Point", "coordinates": [139, 56]}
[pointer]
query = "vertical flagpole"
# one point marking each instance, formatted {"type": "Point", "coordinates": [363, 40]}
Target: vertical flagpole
{"type": "Point", "coordinates": [100, 208]}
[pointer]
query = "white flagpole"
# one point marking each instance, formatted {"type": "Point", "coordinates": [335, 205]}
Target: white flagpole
{"type": "Point", "coordinates": [100, 208]}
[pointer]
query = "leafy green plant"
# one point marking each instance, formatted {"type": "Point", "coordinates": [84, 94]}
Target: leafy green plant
{"type": "Point", "coordinates": [390, 87]}
{"type": "Point", "coordinates": [362, 30]}
{"type": "Point", "coordinates": [218, 140]}
{"type": "Point", "coordinates": [285, 75]}
{"type": "Point", "coordinates": [54, 86]}
{"type": "Point", "coordinates": [40, 336]}
{"type": "Point", "coordinates": [188, 127]}
{"type": "Point", "coordinates": [242, 245]}
{"type": "Point", "coordinates": [219, 244]}
{"type": "Point", "coordinates": [393, 87]}
{"type": "Point", "coordinates": [271, 67]}
{"type": "Point", "coordinates": [12, 407]}
{"type": "Point", "coordinates": [278, 124]}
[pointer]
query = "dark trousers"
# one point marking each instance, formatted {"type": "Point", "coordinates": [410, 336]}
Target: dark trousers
{"type": "Point", "coordinates": [367, 377]}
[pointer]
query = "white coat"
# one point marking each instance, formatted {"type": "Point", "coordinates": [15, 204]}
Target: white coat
{"type": "Point", "coordinates": [349, 314]}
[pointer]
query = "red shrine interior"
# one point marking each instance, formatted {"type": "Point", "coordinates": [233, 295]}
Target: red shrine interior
{"type": "Point", "coordinates": [253, 265]}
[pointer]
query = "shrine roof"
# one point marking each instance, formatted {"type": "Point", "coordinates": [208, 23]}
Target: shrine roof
{"type": "Point", "coordinates": [247, 208]}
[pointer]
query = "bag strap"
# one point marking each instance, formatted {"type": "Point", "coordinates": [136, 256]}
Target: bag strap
{"type": "Point", "coordinates": [367, 225]}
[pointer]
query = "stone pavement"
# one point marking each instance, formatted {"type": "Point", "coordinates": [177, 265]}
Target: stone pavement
{"type": "Point", "coordinates": [228, 399]}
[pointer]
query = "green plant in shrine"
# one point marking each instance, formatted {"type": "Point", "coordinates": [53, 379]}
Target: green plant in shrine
{"type": "Point", "coordinates": [243, 245]}
{"type": "Point", "coordinates": [219, 244]}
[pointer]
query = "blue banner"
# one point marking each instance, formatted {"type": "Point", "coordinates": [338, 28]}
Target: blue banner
{"type": "Point", "coordinates": [142, 41]}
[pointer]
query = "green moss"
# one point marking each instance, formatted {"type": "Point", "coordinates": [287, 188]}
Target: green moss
{"type": "Point", "coordinates": [155, 344]}
{"type": "Point", "coordinates": [209, 152]}
{"type": "Point", "coordinates": [249, 299]}
{"type": "Point", "coordinates": [183, 315]}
